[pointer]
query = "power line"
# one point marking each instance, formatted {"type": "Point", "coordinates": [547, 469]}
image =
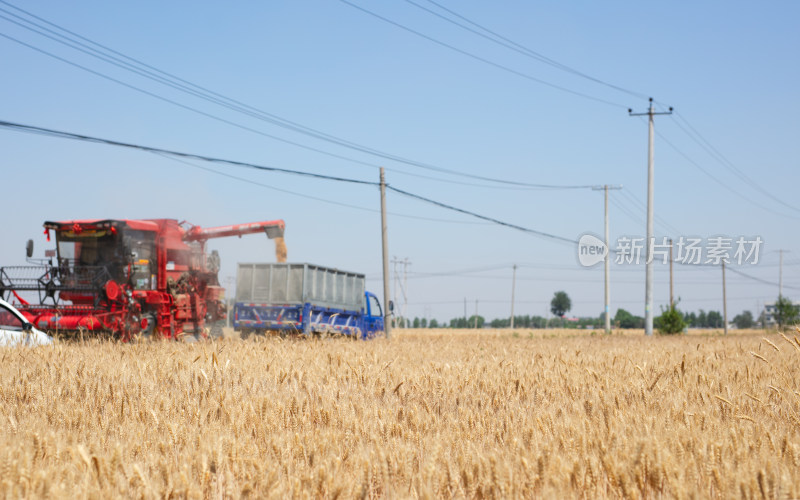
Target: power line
{"type": "Point", "coordinates": [135, 66]}
{"type": "Point", "coordinates": [718, 181]}
{"type": "Point", "coordinates": [510, 44]}
{"type": "Point", "coordinates": [461, 271]}
{"type": "Point", "coordinates": [86, 138]}
{"type": "Point", "coordinates": [631, 215]}
{"type": "Point", "coordinates": [531, 301]}
{"type": "Point", "coordinates": [183, 106]}
{"type": "Point", "coordinates": [97, 140]}
{"type": "Point", "coordinates": [736, 271]}
{"type": "Point", "coordinates": [714, 153]}
{"type": "Point", "coordinates": [315, 198]}
{"type": "Point", "coordinates": [710, 281]}
{"type": "Point", "coordinates": [481, 59]}
{"type": "Point", "coordinates": [641, 206]}
{"type": "Point", "coordinates": [484, 217]}
{"type": "Point", "coordinates": [754, 278]}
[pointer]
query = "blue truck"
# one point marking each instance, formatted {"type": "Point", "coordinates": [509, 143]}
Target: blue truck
{"type": "Point", "coordinates": [304, 298]}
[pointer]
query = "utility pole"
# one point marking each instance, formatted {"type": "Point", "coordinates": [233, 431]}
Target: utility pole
{"type": "Point", "coordinates": [648, 290]}
{"type": "Point", "coordinates": [513, 285]}
{"type": "Point", "coordinates": [607, 262]}
{"type": "Point", "coordinates": [465, 313]}
{"type": "Point", "coordinates": [394, 294]}
{"type": "Point", "coordinates": [724, 300]}
{"type": "Point", "coordinates": [671, 301]}
{"type": "Point", "coordinates": [403, 321]}
{"type": "Point", "coordinates": [386, 314]}
{"type": "Point", "coordinates": [476, 314]}
{"type": "Point", "coordinates": [405, 292]}
{"type": "Point", "coordinates": [780, 274]}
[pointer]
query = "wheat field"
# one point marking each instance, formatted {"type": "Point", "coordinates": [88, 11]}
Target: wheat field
{"type": "Point", "coordinates": [469, 414]}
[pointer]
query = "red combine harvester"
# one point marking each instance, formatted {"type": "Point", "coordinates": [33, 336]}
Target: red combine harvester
{"type": "Point", "coordinates": [126, 277]}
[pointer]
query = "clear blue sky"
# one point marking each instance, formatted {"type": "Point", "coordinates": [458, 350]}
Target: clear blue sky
{"type": "Point", "coordinates": [729, 68]}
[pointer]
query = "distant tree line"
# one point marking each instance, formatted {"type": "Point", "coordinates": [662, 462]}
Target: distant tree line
{"type": "Point", "coordinates": [623, 319]}
{"type": "Point", "coordinates": [417, 323]}
{"type": "Point", "coordinates": [671, 319]}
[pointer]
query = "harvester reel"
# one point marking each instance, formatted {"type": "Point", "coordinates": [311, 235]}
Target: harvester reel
{"type": "Point", "coordinates": [49, 288]}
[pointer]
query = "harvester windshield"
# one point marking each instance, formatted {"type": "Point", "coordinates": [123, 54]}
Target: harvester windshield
{"type": "Point", "coordinates": [123, 254]}
{"type": "Point", "coordinates": [87, 248]}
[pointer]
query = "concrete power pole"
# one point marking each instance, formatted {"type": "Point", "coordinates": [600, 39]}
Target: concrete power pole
{"type": "Point", "coordinates": [724, 300]}
{"type": "Point", "coordinates": [607, 263]}
{"type": "Point", "coordinates": [671, 300]}
{"type": "Point", "coordinates": [394, 294]}
{"type": "Point", "coordinates": [648, 290]}
{"type": "Point", "coordinates": [405, 291]}
{"type": "Point", "coordinates": [513, 286]}
{"type": "Point", "coordinates": [387, 324]}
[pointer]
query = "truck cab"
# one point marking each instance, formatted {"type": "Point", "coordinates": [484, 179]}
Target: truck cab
{"type": "Point", "coordinates": [373, 321]}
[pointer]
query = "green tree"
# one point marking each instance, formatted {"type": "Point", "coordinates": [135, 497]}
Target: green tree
{"type": "Point", "coordinates": [433, 323]}
{"type": "Point", "coordinates": [714, 319]}
{"type": "Point", "coordinates": [415, 323]}
{"type": "Point", "coordinates": [423, 323]}
{"type": "Point", "coordinates": [701, 319]}
{"type": "Point", "coordinates": [474, 321]}
{"type": "Point", "coordinates": [785, 312]}
{"type": "Point", "coordinates": [624, 319]}
{"type": "Point", "coordinates": [670, 322]}
{"type": "Point", "coordinates": [744, 320]}
{"type": "Point", "coordinates": [560, 304]}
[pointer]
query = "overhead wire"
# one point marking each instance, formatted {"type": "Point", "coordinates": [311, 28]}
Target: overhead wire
{"type": "Point", "coordinates": [69, 135]}
{"type": "Point", "coordinates": [718, 181]}
{"type": "Point", "coordinates": [140, 68]}
{"type": "Point", "coordinates": [517, 47]}
{"type": "Point", "coordinates": [693, 134]}
{"type": "Point", "coordinates": [754, 278]}
{"type": "Point", "coordinates": [531, 301]}
{"type": "Point", "coordinates": [483, 217]}
{"type": "Point", "coordinates": [641, 206]}
{"type": "Point", "coordinates": [110, 142]}
{"type": "Point", "coordinates": [740, 273]}
{"type": "Point", "coordinates": [310, 197]}
{"type": "Point", "coordinates": [184, 106]}
{"type": "Point", "coordinates": [482, 59]}
{"type": "Point", "coordinates": [631, 215]}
